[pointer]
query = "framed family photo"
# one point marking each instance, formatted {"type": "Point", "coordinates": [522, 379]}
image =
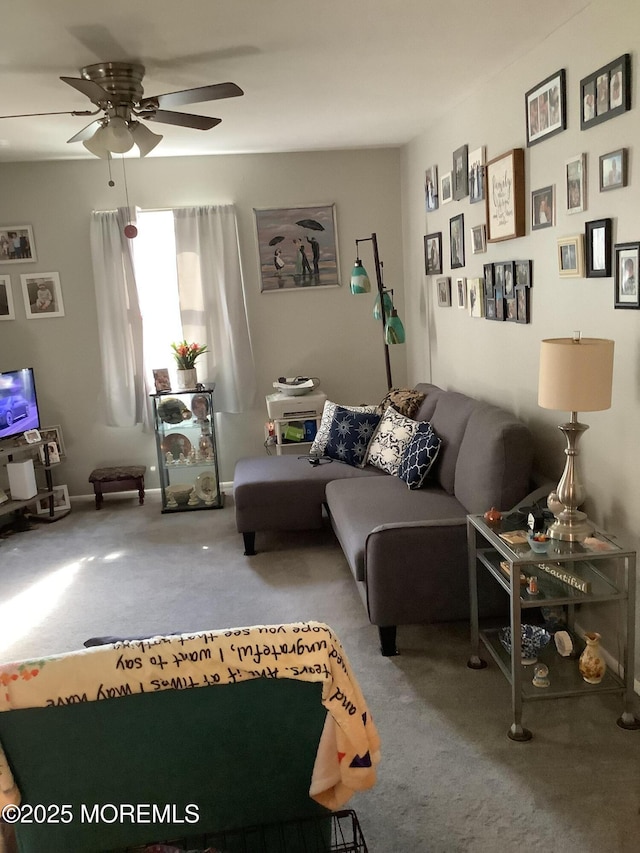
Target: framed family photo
{"type": "Point", "coordinates": [543, 207]}
{"type": "Point", "coordinates": [461, 292]}
{"type": "Point", "coordinates": [54, 434]}
{"type": "Point", "coordinates": [17, 245]}
{"type": "Point", "coordinates": [571, 256]}
{"type": "Point", "coordinates": [476, 175]}
{"type": "Point", "coordinates": [42, 295]}
{"type": "Point", "coordinates": [597, 242]}
{"type": "Point", "coordinates": [627, 294]}
{"type": "Point", "coordinates": [61, 502]}
{"type": "Point", "coordinates": [433, 253]}
{"type": "Point", "coordinates": [505, 201]}
{"type": "Point", "coordinates": [523, 273]}
{"type": "Point", "coordinates": [444, 292]}
{"type": "Point", "coordinates": [606, 93]}
{"type": "Point", "coordinates": [576, 183]}
{"type": "Point", "coordinates": [546, 111]}
{"type": "Point", "coordinates": [478, 239]}
{"type": "Point", "coordinates": [446, 188]}
{"type": "Point", "coordinates": [7, 311]}
{"type": "Point", "coordinates": [613, 170]}
{"type": "Point", "coordinates": [431, 188]}
{"type": "Point", "coordinates": [297, 248]}
{"type": "Point", "coordinates": [475, 297]}
{"type": "Point", "coordinates": [456, 235]}
{"type": "Point", "coordinates": [461, 172]}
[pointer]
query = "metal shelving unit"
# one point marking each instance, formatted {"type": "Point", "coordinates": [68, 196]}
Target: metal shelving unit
{"type": "Point", "coordinates": [604, 571]}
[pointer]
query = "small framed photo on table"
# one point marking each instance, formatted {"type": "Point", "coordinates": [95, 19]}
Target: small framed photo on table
{"type": "Point", "coordinates": [627, 294]}
{"type": "Point", "coordinates": [597, 241]}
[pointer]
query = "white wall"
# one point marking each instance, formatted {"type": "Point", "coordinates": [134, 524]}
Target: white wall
{"type": "Point", "coordinates": [499, 361]}
{"type": "Point", "coordinates": [326, 333]}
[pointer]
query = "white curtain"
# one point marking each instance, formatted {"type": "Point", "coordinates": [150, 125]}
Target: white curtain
{"type": "Point", "coordinates": [119, 320]}
{"type": "Point", "coordinates": [212, 302]}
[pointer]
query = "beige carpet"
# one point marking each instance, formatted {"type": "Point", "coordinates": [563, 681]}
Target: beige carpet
{"type": "Point", "coordinates": [450, 779]}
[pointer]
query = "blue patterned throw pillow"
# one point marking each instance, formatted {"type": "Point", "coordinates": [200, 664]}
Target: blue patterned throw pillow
{"type": "Point", "coordinates": [419, 456]}
{"type": "Point", "coordinates": [349, 435]}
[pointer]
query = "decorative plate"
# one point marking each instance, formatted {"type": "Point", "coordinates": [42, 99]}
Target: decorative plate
{"type": "Point", "coordinates": [176, 443]}
{"type": "Point", "coordinates": [205, 487]}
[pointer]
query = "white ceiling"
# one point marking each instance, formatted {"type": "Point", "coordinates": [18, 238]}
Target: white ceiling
{"type": "Point", "coordinates": [316, 75]}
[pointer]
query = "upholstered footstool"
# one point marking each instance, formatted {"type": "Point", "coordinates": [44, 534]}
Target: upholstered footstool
{"type": "Point", "coordinates": [123, 478]}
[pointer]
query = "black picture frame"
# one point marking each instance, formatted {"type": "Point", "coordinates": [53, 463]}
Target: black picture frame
{"type": "Point", "coordinates": [461, 172]}
{"type": "Point", "coordinates": [433, 253]}
{"type": "Point", "coordinates": [612, 170]}
{"type": "Point", "coordinates": [509, 279]}
{"type": "Point", "coordinates": [627, 287]}
{"type": "Point", "coordinates": [489, 283]}
{"type": "Point", "coordinates": [522, 298]}
{"type": "Point", "coordinates": [606, 93]}
{"type": "Point", "coordinates": [543, 207]}
{"type": "Point", "coordinates": [546, 108]}
{"type": "Point", "coordinates": [456, 241]}
{"type": "Point", "coordinates": [597, 248]}
{"type": "Point", "coordinates": [523, 273]}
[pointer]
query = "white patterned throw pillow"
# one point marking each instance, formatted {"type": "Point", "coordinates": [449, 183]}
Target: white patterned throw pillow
{"type": "Point", "coordinates": [322, 436]}
{"type": "Point", "coordinates": [390, 440]}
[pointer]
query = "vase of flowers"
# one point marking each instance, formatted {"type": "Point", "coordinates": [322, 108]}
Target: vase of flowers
{"type": "Point", "coordinates": [185, 356]}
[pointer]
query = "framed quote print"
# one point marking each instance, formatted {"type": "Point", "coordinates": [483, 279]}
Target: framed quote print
{"type": "Point", "coordinates": [505, 196]}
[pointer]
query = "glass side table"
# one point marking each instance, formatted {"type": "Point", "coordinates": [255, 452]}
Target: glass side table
{"type": "Point", "coordinates": [570, 573]}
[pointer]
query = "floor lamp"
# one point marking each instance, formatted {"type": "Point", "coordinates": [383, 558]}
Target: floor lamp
{"type": "Point", "coordinates": [384, 309]}
{"type": "Point", "coordinates": [576, 374]}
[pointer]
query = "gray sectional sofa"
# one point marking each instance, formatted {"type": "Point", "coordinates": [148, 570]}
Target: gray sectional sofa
{"type": "Point", "coordinates": [406, 548]}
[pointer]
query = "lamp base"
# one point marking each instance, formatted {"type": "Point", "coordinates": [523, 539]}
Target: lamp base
{"type": "Point", "coordinates": [571, 525]}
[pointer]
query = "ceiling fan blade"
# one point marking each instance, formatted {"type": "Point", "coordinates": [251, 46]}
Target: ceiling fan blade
{"type": "Point", "coordinates": [215, 92]}
{"type": "Point", "coordinates": [93, 91]}
{"type": "Point", "coordinates": [86, 132]}
{"type": "Point", "coordinates": [183, 119]}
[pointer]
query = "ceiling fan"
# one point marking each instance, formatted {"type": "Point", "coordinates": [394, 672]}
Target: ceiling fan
{"type": "Point", "coordinates": [115, 89]}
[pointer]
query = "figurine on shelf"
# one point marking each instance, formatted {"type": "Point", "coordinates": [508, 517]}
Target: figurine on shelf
{"type": "Point", "coordinates": [182, 459]}
{"type": "Point", "coordinates": [192, 456]}
{"type": "Point", "coordinates": [492, 516]}
{"type": "Point", "coordinates": [169, 457]}
{"type": "Point", "coordinates": [193, 498]}
{"type": "Point", "coordinates": [541, 675]}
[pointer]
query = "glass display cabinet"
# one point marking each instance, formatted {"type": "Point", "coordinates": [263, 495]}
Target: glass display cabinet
{"type": "Point", "coordinates": [187, 452]}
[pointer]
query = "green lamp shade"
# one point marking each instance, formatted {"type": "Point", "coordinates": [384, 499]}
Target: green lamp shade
{"type": "Point", "coordinates": [394, 330]}
{"type": "Point", "coordinates": [388, 306]}
{"type": "Point", "coordinates": [359, 279]}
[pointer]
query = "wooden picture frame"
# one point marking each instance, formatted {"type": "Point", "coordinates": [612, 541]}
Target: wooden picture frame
{"type": "Point", "coordinates": [627, 290]}
{"type": "Point", "coordinates": [433, 253]}
{"type": "Point", "coordinates": [478, 239]}
{"type": "Point", "coordinates": [546, 108]}
{"type": "Point", "coordinates": [597, 248]}
{"type": "Point", "coordinates": [505, 202]}
{"type": "Point", "coordinates": [444, 292]}
{"type": "Point", "coordinates": [543, 207]}
{"type": "Point", "coordinates": [606, 93]}
{"type": "Point", "coordinates": [460, 172]}
{"type": "Point", "coordinates": [297, 248]}
{"type": "Point", "coordinates": [576, 183]}
{"type": "Point", "coordinates": [431, 193]}
{"type": "Point", "coordinates": [571, 256]}
{"type": "Point", "coordinates": [456, 237]}
{"type": "Point", "coordinates": [42, 294]}
{"type": "Point", "coordinates": [446, 188]}
{"type": "Point", "coordinates": [7, 308]}
{"type": "Point", "coordinates": [17, 245]}
{"type": "Point", "coordinates": [612, 170]}
{"type": "Point", "coordinates": [477, 175]}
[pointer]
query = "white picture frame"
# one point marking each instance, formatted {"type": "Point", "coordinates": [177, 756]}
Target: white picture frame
{"type": "Point", "coordinates": [42, 295]}
{"type": "Point", "coordinates": [475, 297]}
{"type": "Point", "coordinates": [478, 239]}
{"type": "Point", "coordinates": [54, 453]}
{"type": "Point", "coordinates": [61, 501]}
{"type": "Point", "coordinates": [17, 245]}
{"type": "Point", "coordinates": [7, 308]}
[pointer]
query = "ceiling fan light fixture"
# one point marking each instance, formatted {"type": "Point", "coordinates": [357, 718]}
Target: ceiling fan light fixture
{"type": "Point", "coordinates": [145, 139]}
{"type": "Point", "coordinates": [97, 144]}
{"type": "Point", "coordinates": [117, 136]}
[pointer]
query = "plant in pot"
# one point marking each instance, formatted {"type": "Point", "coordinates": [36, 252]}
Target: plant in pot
{"type": "Point", "coordinates": [185, 356]}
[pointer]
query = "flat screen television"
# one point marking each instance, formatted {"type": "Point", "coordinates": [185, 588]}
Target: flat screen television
{"type": "Point", "coordinates": [18, 402]}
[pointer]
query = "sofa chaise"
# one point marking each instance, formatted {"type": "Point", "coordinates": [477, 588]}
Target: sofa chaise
{"type": "Point", "coordinates": [406, 548]}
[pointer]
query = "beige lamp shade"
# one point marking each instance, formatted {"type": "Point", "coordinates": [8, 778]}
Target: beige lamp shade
{"type": "Point", "coordinates": [576, 375]}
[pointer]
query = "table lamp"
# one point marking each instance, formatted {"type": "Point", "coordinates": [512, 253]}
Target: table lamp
{"type": "Point", "coordinates": [576, 375]}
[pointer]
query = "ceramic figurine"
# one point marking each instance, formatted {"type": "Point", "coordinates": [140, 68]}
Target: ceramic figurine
{"type": "Point", "coordinates": [541, 675]}
{"type": "Point", "coordinates": [492, 516]}
{"type": "Point", "coordinates": [591, 664]}
{"type": "Point", "coordinates": [169, 457]}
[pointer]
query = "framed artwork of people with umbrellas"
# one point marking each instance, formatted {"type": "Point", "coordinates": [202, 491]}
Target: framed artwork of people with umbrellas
{"type": "Point", "coordinates": [297, 248]}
